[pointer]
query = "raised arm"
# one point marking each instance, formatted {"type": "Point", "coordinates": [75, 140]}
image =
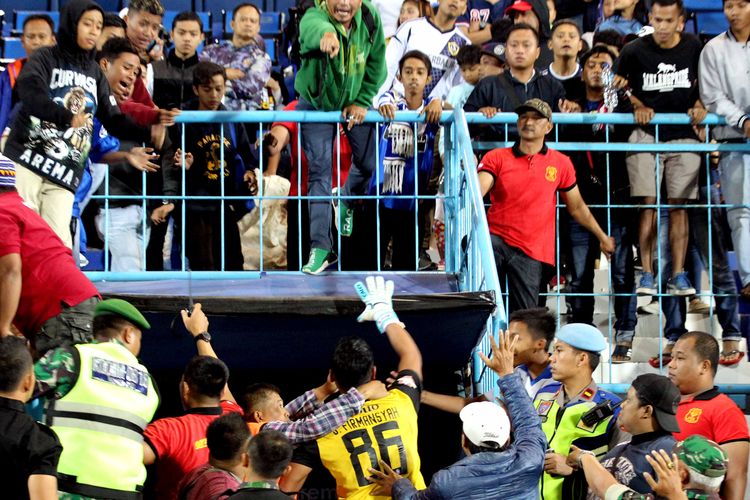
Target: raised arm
{"type": "Point", "coordinates": [378, 297]}
{"type": "Point", "coordinates": [197, 324]}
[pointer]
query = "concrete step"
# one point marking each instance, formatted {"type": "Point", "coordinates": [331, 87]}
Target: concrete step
{"type": "Point", "coordinates": [626, 372]}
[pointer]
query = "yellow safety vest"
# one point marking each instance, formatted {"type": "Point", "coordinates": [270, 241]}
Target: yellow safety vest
{"type": "Point", "coordinates": [100, 423]}
{"type": "Point", "coordinates": [563, 427]}
{"type": "Point", "coordinates": [385, 429]}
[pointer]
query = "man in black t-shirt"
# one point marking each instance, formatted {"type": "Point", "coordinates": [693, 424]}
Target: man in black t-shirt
{"type": "Point", "coordinates": [662, 71]}
{"type": "Point", "coordinates": [29, 451]}
{"type": "Point", "coordinates": [386, 429]}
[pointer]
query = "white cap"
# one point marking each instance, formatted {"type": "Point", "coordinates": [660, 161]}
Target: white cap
{"type": "Point", "coordinates": [485, 422]}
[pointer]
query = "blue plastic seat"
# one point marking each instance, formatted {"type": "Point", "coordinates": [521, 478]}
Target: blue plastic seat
{"type": "Point", "coordinates": [169, 16]}
{"type": "Point", "coordinates": [12, 48]}
{"type": "Point", "coordinates": [19, 16]}
{"type": "Point", "coordinates": [711, 23]}
{"type": "Point", "coordinates": [178, 5]}
{"type": "Point", "coordinates": [704, 5]}
{"type": "Point", "coordinates": [271, 23]}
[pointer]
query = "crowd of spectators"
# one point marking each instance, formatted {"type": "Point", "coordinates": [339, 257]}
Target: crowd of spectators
{"type": "Point", "coordinates": [99, 98]}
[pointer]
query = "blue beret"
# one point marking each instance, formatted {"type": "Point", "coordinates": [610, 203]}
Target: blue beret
{"type": "Point", "coordinates": [124, 309]}
{"type": "Point", "coordinates": [582, 336]}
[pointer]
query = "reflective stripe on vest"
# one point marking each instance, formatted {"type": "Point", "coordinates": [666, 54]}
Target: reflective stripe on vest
{"type": "Point", "coordinates": [563, 427]}
{"type": "Point", "coordinates": [97, 418]}
{"type": "Point", "coordinates": [100, 423]}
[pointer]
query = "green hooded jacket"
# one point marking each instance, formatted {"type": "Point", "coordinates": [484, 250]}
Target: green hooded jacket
{"type": "Point", "coordinates": [354, 75]}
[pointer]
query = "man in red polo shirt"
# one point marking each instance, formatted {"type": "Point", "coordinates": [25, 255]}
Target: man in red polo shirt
{"type": "Point", "coordinates": [178, 444]}
{"type": "Point", "coordinates": [281, 134]}
{"type": "Point", "coordinates": [523, 181]}
{"type": "Point", "coordinates": [705, 411]}
{"type": "Point", "coordinates": [42, 291]}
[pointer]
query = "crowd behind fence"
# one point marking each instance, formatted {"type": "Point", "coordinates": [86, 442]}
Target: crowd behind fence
{"type": "Point", "coordinates": [468, 251]}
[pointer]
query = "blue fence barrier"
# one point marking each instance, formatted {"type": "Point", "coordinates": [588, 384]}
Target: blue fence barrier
{"type": "Point", "coordinates": [468, 250]}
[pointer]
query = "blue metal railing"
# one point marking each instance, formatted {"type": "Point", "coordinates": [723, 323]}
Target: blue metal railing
{"type": "Point", "coordinates": [468, 250]}
{"type": "Point", "coordinates": [484, 380]}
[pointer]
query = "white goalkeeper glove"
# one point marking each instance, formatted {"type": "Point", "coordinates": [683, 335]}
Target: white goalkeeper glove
{"type": "Point", "coordinates": [378, 299]}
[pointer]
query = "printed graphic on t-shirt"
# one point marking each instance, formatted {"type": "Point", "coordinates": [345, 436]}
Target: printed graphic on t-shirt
{"type": "Point", "coordinates": [60, 153]}
{"type": "Point", "coordinates": [666, 79]}
{"type": "Point", "coordinates": [444, 61]}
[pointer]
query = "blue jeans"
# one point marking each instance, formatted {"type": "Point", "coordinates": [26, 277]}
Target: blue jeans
{"type": "Point", "coordinates": [675, 309]}
{"type": "Point", "coordinates": [582, 253]}
{"type": "Point", "coordinates": [522, 272]}
{"type": "Point", "coordinates": [317, 143]}
{"type": "Point", "coordinates": [127, 241]}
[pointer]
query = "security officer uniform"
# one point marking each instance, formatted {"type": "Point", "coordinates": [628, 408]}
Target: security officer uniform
{"type": "Point", "coordinates": [101, 418]}
{"type": "Point", "coordinates": [563, 421]}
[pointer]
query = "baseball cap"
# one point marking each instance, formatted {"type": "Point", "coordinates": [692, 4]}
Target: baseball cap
{"type": "Point", "coordinates": [659, 392]}
{"type": "Point", "coordinates": [494, 49]}
{"type": "Point", "coordinates": [537, 105]}
{"type": "Point", "coordinates": [702, 455]}
{"type": "Point", "coordinates": [7, 172]}
{"type": "Point", "coordinates": [485, 422]}
{"type": "Point", "coordinates": [124, 309]}
{"type": "Point", "coordinates": [518, 5]}
{"type": "Point", "coordinates": [582, 336]}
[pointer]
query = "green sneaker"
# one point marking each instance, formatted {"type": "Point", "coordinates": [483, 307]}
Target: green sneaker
{"type": "Point", "coordinates": [346, 220]}
{"type": "Point", "coordinates": [319, 260]}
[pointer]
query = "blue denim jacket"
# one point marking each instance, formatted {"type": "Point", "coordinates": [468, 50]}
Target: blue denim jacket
{"type": "Point", "coordinates": [512, 474]}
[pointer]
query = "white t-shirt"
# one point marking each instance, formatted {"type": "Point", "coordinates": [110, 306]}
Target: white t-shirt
{"type": "Point", "coordinates": [441, 47]}
{"type": "Point", "coordinates": [389, 11]}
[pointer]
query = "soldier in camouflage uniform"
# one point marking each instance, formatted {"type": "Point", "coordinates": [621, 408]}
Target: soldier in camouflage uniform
{"type": "Point", "coordinates": [100, 389]}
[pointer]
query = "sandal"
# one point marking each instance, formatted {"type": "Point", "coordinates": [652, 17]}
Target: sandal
{"type": "Point", "coordinates": [735, 352]}
{"type": "Point", "coordinates": [657, 362]}
{"type": "Point", "coordinates": [623, 352]}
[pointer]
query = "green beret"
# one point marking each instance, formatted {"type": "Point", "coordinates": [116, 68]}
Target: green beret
{"type": "Point", "coordinates": [124, 309]}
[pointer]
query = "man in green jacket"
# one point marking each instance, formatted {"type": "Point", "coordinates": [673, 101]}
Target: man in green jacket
{"type": "Point", "coordinates": [342, 49]}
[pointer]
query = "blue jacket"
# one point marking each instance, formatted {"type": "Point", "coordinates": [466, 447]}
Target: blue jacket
{"type": "Point", "coordinates": [512, 474]}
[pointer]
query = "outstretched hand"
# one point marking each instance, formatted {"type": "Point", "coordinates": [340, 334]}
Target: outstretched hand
{"type": "Point", "coordinates": [502, 353]}
{"type": "Point", "coordinates": [378, 298]}
{"type": "Point", "coordinates": [385, 480]}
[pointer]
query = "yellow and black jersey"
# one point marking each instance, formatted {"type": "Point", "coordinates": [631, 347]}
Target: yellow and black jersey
{"type": "Point", "coordinates": [385, 429]}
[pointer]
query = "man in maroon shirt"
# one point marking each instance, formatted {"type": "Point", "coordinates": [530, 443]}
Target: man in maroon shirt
{"type": "Point", "coordinates": [523, 181]}
{"type": "Point", "coordinates": [43, 294]}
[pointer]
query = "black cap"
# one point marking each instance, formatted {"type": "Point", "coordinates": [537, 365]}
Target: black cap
{"type": "Point", "coordinates": [659, 392]}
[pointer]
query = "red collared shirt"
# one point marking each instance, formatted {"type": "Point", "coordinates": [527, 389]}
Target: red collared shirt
{"type": "Point", "coordinates": [180, 445]}
{"type": "Point", "coordinates": [523, 197]}
{"type": "Point", "coordinates": [712, 415]}
{"type": "Point", "coordinates": [49, 275]}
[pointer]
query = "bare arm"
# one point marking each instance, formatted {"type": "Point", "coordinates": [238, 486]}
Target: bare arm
{"type": "Point", "coordinates": [149, 457]}
{"type": "Point", "coordinates": [582, 215]}
{"type": "Point", "coordinates": [450, 404]}
{"type": "Point", "coordinates": [10, 290]}
{"type": "Point", "coordinates": [478, 37]}
{"type": "Point", "coordinates": [196, 324]}
{"type": "Point", "coordinates": [42, 487]}
{"type": "Point", "coordinates": [409, 356]}
{"type": "Point", "coordinates": [486, 181]}
{"type": "Point", "coordinates": [733, 487]}
{"type": "Point", "coordinates": [294, 480]}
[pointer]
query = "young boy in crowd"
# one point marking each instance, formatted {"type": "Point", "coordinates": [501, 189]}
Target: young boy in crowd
{"type": "Point", "coordinates": [143, 21]}
{"type": "Point", "coordinates": [123, 227]}
{"type": "Point", "coordinates": [171, 78]}
{"type": "Point", "coordinates": [113, 27]}
{"type": "Point", "coordinates": [60, 90]}
{"type": "Point", "coordinates": [206, 171]}
{"type": "Point", "coordinates": [404, 164]}
{"type": "Point", "coordinates": [38, 31]}
{"type": "Point", "coordinates": [493, 59]}
{"type": "Point", "coordinates": [565, 45]}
